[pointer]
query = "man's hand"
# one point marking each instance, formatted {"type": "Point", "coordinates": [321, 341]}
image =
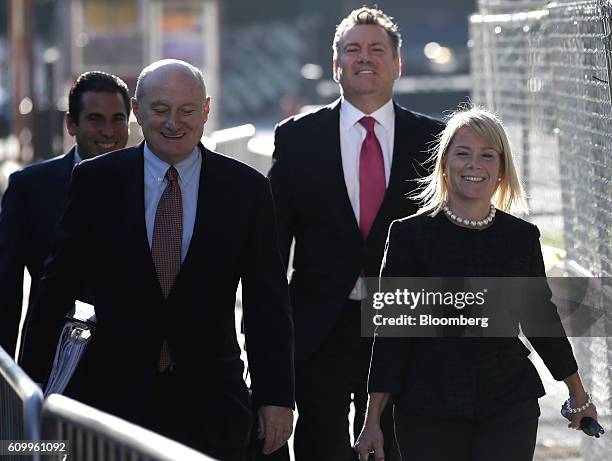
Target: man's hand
{"type": "Point", "coordinates": [275, 425]}
{"type": "Point", "coordinates": [370, 440]}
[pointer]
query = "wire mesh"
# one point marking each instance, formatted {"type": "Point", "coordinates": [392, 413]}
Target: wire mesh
{"type": "Point", "coordinates": [545, 70]}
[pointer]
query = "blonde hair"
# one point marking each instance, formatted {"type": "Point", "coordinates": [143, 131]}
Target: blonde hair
{"type": "Point", "coordinates": [508, 196]}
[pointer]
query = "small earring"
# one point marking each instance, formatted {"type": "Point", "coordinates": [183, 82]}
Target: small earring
{"type": "Point", "coordinates": [498, 179]}
{"type": "Point", "coordinates": [444, 174]}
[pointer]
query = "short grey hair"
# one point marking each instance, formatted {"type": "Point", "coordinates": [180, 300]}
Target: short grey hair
{"type": "Point", "coordinates": [189, 68]}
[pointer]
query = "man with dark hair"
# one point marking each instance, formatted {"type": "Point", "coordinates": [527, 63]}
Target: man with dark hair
{"type": "Point", "coordinates": [92, 138]}
{"type": "Point", "coordinates": [340, 175]}
{"type": "Point", "coordinates": [98, 116]}
{"type": "Point", "coordinates": [169, 229]}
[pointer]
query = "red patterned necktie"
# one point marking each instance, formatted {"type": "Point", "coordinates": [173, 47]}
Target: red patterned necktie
{"type": "Point", "coordinates": [166, 245]}
{"type": "Point", "coordinates": [372, 183]}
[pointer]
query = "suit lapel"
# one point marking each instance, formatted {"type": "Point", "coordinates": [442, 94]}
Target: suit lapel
{"type": "Point", "coordinates": [330, 159]}
{"type": "Point", "coordinates": [402, 167]}
{"type": "Point", "coordinates": [129, 190]}
{"type": "Point", "coordinates": [206, 206]}
{"type": "Point", "coordinates": [58, 184]}
{"type": "Point", "coordinates": [206, 199]}
{"type": "Point", "coordinates": [67, 162]}
{"type": "Point", "coordinates": [206, 227]}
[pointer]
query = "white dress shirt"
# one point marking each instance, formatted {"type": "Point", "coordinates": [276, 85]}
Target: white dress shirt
{"type": "Point", "coordinates": [352, 134]}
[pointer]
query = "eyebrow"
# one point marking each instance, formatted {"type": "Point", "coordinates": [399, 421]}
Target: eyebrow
{"type": "Point", "coordinates": [161, 103]}
{"type": "Point", "coordinates": [359, 45]}
{"type": "Point", "coordinates": [468, 147]}
{"type": "Point", "coordinates": [98, 114]}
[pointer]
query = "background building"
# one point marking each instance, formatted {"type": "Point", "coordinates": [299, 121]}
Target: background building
{"type": "Point", "coordinates": [262, 60]}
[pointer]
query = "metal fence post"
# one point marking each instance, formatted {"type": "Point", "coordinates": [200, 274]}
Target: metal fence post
{"type": "Point", "coordinates": [20, 404]}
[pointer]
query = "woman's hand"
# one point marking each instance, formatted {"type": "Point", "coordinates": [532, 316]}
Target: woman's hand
{"type": "Point", "coordinates": [578, 397]}
{"type": "Point", "coordinates": [589, 411]}
{"type": "Point", "coordinates": [370, 440]}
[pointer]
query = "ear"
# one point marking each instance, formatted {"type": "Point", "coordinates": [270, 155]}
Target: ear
{"type": "Point", "coordinates": [206, 109]}
{"type": "Point", "coordinates": [136, 110]}
{"type": "Point", "coordinates": [397, 63]}
{"type": "Point", "coordinates": [336, 70]}
{"type": "Point", "coordinates": [71, 125]}
{"type": "Point", "coordinates": [502, 171]}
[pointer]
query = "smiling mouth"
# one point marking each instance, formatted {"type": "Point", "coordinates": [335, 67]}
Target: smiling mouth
{"type": "Point", "coordinates": [472, 178]}
{"type": "Point", "coordinates": [173, 136]}
{"type": "Point", "coordinates": [106, 145]}
{"type": "Point", "coordinates": [365, 72]}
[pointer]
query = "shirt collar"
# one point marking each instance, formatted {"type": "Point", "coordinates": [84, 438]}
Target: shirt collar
{"type": "Point", "coordinates": [350, 115]}
{"type": "Point", "coordinates": [77, 156]}
{"type": "Point", "coordinates": [186, 168]}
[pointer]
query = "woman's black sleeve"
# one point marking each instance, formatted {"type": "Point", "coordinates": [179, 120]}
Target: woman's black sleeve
{"type": "Point", "coordinates": [389, 354]}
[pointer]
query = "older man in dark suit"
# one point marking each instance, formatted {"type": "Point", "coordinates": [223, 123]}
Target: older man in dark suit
{"type": "Point", "coordinates": [340, 176]}
{"type": "Point", "coordinates": [166, 230]}
{"type": "Point", "coordinates": [98, 114]}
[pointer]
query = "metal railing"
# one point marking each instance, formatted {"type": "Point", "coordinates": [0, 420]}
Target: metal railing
{"type": "Point", "coordinates": [93, 435]}
{"type": "Point", "coordinates": [20, 403]}
{"type": "Point", "coordinates": [236, 142]}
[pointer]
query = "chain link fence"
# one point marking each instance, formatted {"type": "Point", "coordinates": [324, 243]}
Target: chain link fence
{"type": "Point", "coordinates": [544, 68]}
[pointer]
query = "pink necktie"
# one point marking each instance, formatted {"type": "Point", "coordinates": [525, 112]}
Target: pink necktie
{"type": "Point", "coordinates": [372, 183]}
{"type": "Point", "coordinates": [166, 245]}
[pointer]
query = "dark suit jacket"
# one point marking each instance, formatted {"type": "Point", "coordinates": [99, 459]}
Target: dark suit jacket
{"type": "Point", "coordinates": [468, 376]}
{"type": "Point", "coordinates": [313, 206]}
{"type": "Point", "coordinates": [31, 207]}
{"type": "Point", "coordinates": [102, 234]}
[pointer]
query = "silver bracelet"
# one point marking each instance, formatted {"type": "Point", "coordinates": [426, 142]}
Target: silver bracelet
{"type": "Point", "coordinates": [574, 410]}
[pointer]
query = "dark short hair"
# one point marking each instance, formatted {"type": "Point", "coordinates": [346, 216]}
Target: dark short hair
{"type": "Point", "coordinates": [97, 81]}
{"type": "Point", "coordinates": [369, 16]}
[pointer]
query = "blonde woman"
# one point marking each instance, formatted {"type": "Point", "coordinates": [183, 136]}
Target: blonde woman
{"type": "Point", "coordinates": [466, 399]}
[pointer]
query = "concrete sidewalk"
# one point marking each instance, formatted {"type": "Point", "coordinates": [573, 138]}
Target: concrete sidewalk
{"type": "Point", "coordinates": [555, 440]}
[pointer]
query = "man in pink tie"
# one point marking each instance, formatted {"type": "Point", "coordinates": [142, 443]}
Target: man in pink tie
{"type": "Point", "coordinates": [340, 175]}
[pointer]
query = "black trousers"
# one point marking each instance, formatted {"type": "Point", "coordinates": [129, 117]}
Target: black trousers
{"type": "Point", "coordinates": [170, 413]}
{"type": "Point", "coordinates": [325, 384]}
{"type": "Point", "coordinates": [509, 435]}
